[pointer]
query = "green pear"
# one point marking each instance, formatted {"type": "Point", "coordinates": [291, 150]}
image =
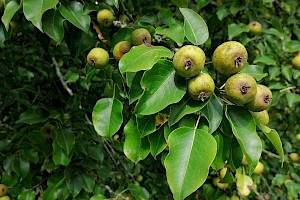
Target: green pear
{"type": "Point", "coordinates": [120, 49]}
{"type": "Point", "coordinates": [240, 88]}
{"type": "Point", "coordinates": [105, 17]}
{"type": "Point", "coordinates": [230, 57]}
{"type": "Point", "coordinates": [98, 57]}
{"type": "Point", "coordinates": [140, 36]}
{"type": "Point", "coordinates": [189, 61]}
{"type": "Point", "coordinates": [255, 28]}
{"type": "Point", "coordinates": [296, 62]}
{"type": "Point", "coordinates": [201, 87]}
{"type": "Point", "coordinates": [262, 117]}
{"type": "Point", "coordinates": [5, 198]}
{"type": "Point", "coordinates": [262, 99]}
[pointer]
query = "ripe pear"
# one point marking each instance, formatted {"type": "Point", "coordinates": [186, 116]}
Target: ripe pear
{"type": "Point", "coordinates": [262, 99]}
{"type": "Point", "coordinates": [244, 185]}
{"type": "Point", "coordinates": [240, 88]}
{"type": "Point", "coordinates": [230, 57]}
{"type": "Point", "coordinates": [262, 117]}
{"type": "Point", "coordinates": [120, 49]}
{"type": "Point", "coordinates": [98, 57]}
{"type": "Point", "coordinates": [222, 186]}
{"type": "Point", "coordinates": [298, 137]}
{"type": "Point", "coordinates": [189, 61]}
{"type": "Point", "coordinates": [223, 172]}
{"type": "Point", "coordinates": [5, 198]}
{"type": "Point", "coordinates": [294, 157]}
{"type": "Point", "coordinates": [201, 87]}
{"type": "Point", "coordinates": [296, 62]}
{"type": "Point", "coordinates": [140, 36]}
{"type": "Point", "coordinates": [258, 169]}
{"type": "Point", "coordinates": [255, 28]}
{"type": "Point", "coordinates": [105, 17]}
{"type": "Point", "coordinates": [3, 190]}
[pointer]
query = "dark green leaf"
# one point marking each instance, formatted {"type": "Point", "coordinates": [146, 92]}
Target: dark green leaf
{"type": "Point", "coordinates": [146, 124]}
{"type": "Point", "coordinates": [21, 167]}
{"type": "Point", "coordinates": [55, 185]}
{"type": "Point", "coordinates": [139, 192]}
{"type": "Point", "coordinates": [53, 25]}
{"type": "Point", "coordinates": [236, 29]}
{"type": "Point", "coordinates": [10, 10]}
{"type": "Point", "coordinates": [33, 115]}
{"type": "Point", "coordinates": [223, 144]}
{"type": "Point", "coordinates": [157, 142]}
{"type": "Point", "coordinates": [255, 71]}
{"type": "Point", "coordinates": [65, 139]}
{"type": "Point", "coordinates": [27, 195]}
{"type": "Point", "coordinates": [59, 156]}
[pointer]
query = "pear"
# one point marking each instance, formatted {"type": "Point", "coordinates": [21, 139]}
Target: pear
{"type": "Point", "coordinates": [105, 17]}
{"type": "Point", "coordinates": [120, 49]}
{"type": "Point", "coordinates": [262, 99]}
{"type": "Point", "coordinates": [240, 88]}
{"type": "Point", "coordinates": [262, 117]}
{"type": "Point", "coordinates": [296, 62]}
{"type": "Point", "coordinates": [259, 168]}
{"type": "Point", "coordinates": [255, 28]}
{"type": "Point", "coordinates": [230, 57]}
{"type": "Point", "coordinates": [98, 57]}
{"type": "Point", "coordinates": [141, 36]}
{"type": "Point", "coordinates": [3, 190]}
{"type": "Point", "coordinates": [189, 61]}
{"type": "Point", "coordinates": [5, 198]}
{"type": "Point", "coordinates": [201, 87]}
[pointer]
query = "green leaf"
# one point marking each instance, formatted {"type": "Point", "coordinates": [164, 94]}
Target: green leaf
{"type": "Point", "coordinates": [213, 112]}
{"type": "Point", "coordinates": [274, 31]}
{"type": "Point", "coordinates": [236, 30]}
{"type": "Point", "coordinates": [54, 188]}
{"type": "Point", "coordinates": [53, 25]}
{"type": "Point", "coordinates": [73, 12]}
{"type": "Point", "coordinates": [292, 46]}
{"type": "Point", "coordinates": [98, 197]}
{"type": "Point", "coordinates": [59, 156]}
{"type": "Point", "coordinates": [192, 151]}
{"type": "Point", "coordinates": [146, 124]}
{"type": "Point", "coordinates": [157, 142]}
{"type": "Point", "coordinates": [292, 98]}
{"type": "Point", "coordinates": [10, 10]}
{"type": "Point", "coordinates": [274, 138]}
{"type": "Point", "coordinates": [223, 150]}
{"type": "Point", "coordinates": [175, 32]}
{"type": "Point", "coordinates": [181, 3]}
{"type": "Point", "coordinates": [222, 12]}
{"type": "Point", "coordinates": [165, 16]}
{"type": "Point", "coordinates": [88, 182]}
{"type": "Point", "coordinates": [21, 167]}
{"type": "Point", "coordinates": [265, 60]}
{"type": "Point", "coordinates": [287, 72]}
{"type": "Point", "coordinates": [27, 195]}
{"type": "Point", "coordinates": [74, 182]}
{"type": "Point", "coordinates": [135, 90]}
{"type": "Point", "coordinates": [236, 154]}
{"type": "Point", "coordinates": [107, 116]}
{"type": "Point", "coordinates": [183, 107]}
{"type": "Point", "coordinates": [196, 30]}
{"type": "Point", "coordinates": [162, 88]}
{"type": "Point", "coordinates": [33, 115]}
{"type": "Point", "coordinates": [293, 189]}
{"type": "Point", "coordinates": [255, 71]}
{"type": "Point", "coordinates": [142, 58]}
{"type": "Point", "coordinates": [244, 129]}
{"type": "Point", "coordinates": [65, 139]}
{"type": "Point", "coordinates": [34, 10]}
{"type": "Point", "coordinates": [135, 148]}
{"type": "Point", "coordinates": [138, 192]}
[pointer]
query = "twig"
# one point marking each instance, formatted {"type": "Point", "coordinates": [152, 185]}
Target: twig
{"type": "Point", "coordinates": [277, 156]}
{"type": "Point", "coordinates": [61, 78]}
{"type": "Point", "coordinates": [259, 196]}
{"type": "Point", "coordinates": [288, 88]}
{"type": "Point", "coordinates": [126, 11]}
{"type": "Point", "coordinates": [209, 62]}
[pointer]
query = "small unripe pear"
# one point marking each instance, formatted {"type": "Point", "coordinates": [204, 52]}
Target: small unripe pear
{"type": "Point", "coordinates": [240, 88]}
{"type": "Point", "coordinates": [189, 61]}
{"type": "Point", "coordinates": [140, 36]}
{"type": "Point", "coordinates": [259, 168]}
{"type": "Point", "coordinates": [5, 198]}
{"type": "Point", "coordinates": [120, 49]}
{"type": "Point", "coordinates": [255, 28]}
{"type": "Point", "coordinates": [298, 137]}
{"type": "Point", "coordinates": [262, 117]}
{"type": "Point", "coordinates": [296, 62]}
{"type": "Point", "coordinates": [262, 99]}
{"type": "Point", "coordinates": [3, 190]}
{"type": "Point", "coordinates": [230, 57]}
{"type": "Point", "coordinates": [201, 87]}
{"type": "Point", "coordinates": [105, 17]}
{"type": "Point", "coordinates": [222, 186]}
{"type": "Point", "coordinates": [294, 157]}
{"type": "Point", "coordinates": [98, 57]}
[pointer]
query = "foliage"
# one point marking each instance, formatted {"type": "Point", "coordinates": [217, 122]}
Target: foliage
{"type": "Point", "coordinates": [71, 131]}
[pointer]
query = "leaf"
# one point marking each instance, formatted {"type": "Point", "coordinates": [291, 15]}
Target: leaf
{"type": "Point", "coordinates": [54, 188]}
{"type": "Point", "coordinates": [236, 154]}
{"type": "Point", "coordinates": [274, 138]}
{"type": "Point", "coordinates": [162, 88]}
{"type": "Point", "coordinates": [244, 129]}
{"type": "Point", "coordinates": [107, 116]}
{"type": "Point", "coordinates": [265, 60]}
{"type": "Point", "coordinates": [157, 142]}
{"type": "Point", "coordinates": [135, 148]}
{"type": "Point", "coordinates": [183, 107]}
{"type": "Point", "coordinates": [65, 139]}
{"type": "Point", "coordinates": [223, 144]}
{"type": "Point", "coordinates": [21, 167]}
{"type": "Point", "coordinates": [142, 58]}
{"type": "Point", "coordinates": [74, 183]}
{"type": "Point", "coordinates": [73, 12]}
{"type": "Point", "coordinates": [287, 72]}
{"type": "Point", "coordinates": [59, 156]}
{"type": "Point", "coordinates": [192, 151]}
{"type": "Point", "coordinates": [135, 90]}
{"type": "Point", "coordinates": [292, 46]}
{"type": "Point", "coordinates": [236, 29]}
{"type": "Point", "coordinates": [175, 32]}
{"type": "Point", "coordinates": [11, 9]}
{"type": "Point", "coordinates": [33, 115]}
{"type": "Point", "coordinates": [34, 10]}
{"type": "Point", "coordinates": [196, 30]}
{"type": "Point", "coordinates": [53, 25]}
{"type": "Point", "coordinates": [98, 197]}
{"type": "Point", "coordinates": [292, 98]}
{"type": "Point", "coordinates": [26, 195]}
{"type": "Point", "coordinates": [145, 124]}
{"type": "Point", "coordinates": [255, 71]}
{"type": "Point", "coordinates": [88, 182]}
{"type": "Point", "coordinates": [213, 112]}
{"type": "Point", "coordinates": [138, 192]}
{"type": "Point", "coordinates": [181, 3]}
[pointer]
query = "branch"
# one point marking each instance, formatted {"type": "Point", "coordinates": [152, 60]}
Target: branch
{"type": "Point", "coordinates": [61, 78]}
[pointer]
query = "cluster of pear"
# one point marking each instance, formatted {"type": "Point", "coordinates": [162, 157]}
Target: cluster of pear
{"type": "Point", "coordinates": [229, 59]}
{"type": "Point", "coordinates": [99, 57]}
{"type": "Point", "coordinates": [3, 192]}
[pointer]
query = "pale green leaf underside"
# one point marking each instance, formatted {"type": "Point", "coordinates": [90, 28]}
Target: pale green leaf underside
{"type": "Point", "coordinates": [190, 156]}
{"type": "Point", "coordinates": [10, 10]}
